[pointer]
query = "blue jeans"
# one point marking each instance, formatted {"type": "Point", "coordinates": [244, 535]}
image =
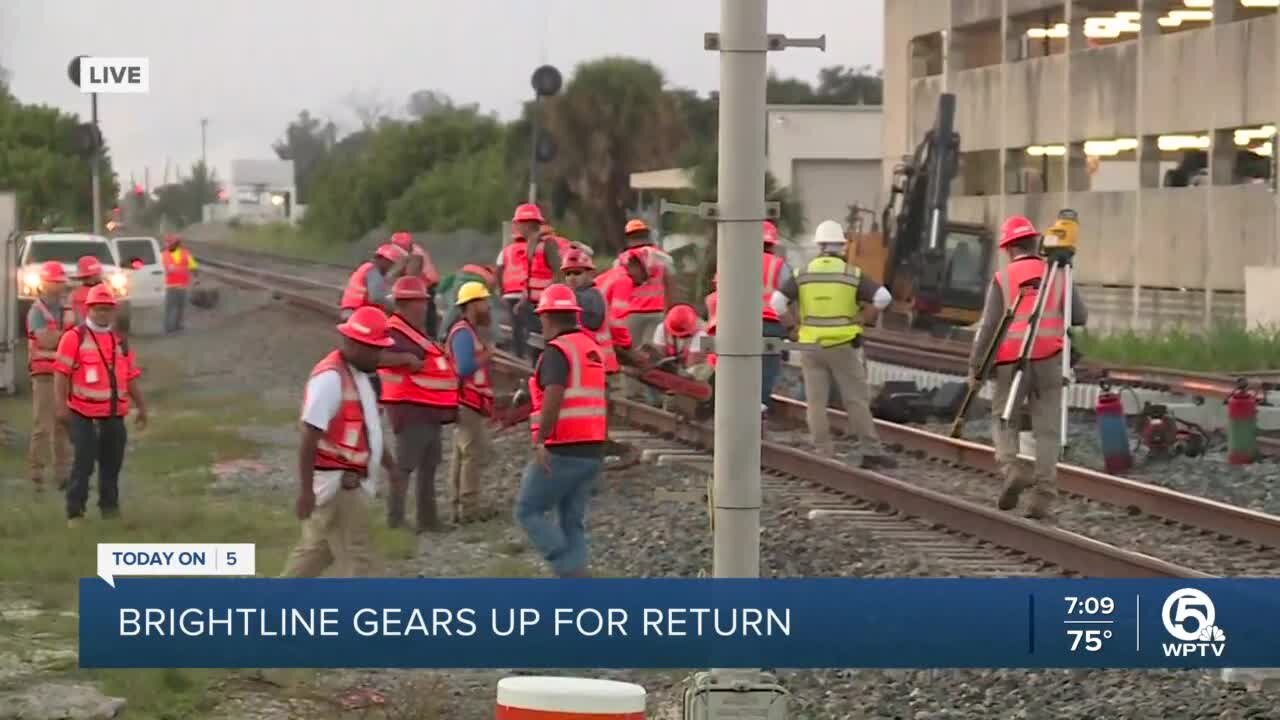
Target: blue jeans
{"type": "Point", "coordinates": [770, 365]}
{"type": "Point", "coordinates": [175, 302]}
{"type": "Point", "coordinates": [566, 489]}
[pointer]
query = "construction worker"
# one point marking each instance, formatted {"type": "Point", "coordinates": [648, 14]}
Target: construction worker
{"type": "Point", "coordinates": [679, 335]}
{"type": "Point", "coordinates": [179, 268]}
{"type": "Point", "coordinates": [370, 284]}
{"type": "Point", "coordinates": [828, 294]}
{"type": "Point", "coordinates": [1043, 386]}
{"type": "Point", "coordinates": [418, 264]}
{"type": "Point", "coordinates": [472, 357]}
{"type": "Point", "coordinates": [95, 381]}
{"type": "Point", "coordinates": [524, 272]}
{"type": "Point", "coordinates": [579, 271]}
{"type": "Point", "coordinates": [89, 273]}
{"type": "Point", "coordinates": [569, 430]}
{"type": "Point", "coordinates": [616, 285]}
{"type": "Point", "coordinates": [420, 394]}
{"type": "Point", "coordinates": [650, 299]}
{"type": "Point", "coordinates": [341, 434]}
{"type": "Point", "coordinates": [471, 272]}
{"type": "Point", "coordinates": [48, 317]}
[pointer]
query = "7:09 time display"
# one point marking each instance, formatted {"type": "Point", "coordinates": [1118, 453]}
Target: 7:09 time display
{"type": "Point", "coordinates": [1090, 605]}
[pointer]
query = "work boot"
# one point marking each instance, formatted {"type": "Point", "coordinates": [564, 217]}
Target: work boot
{"type": "Point", "coordinates": [1013, 488]}
{"type": "Point", "coordinates": [37, 484]}
{"type": "Point", "coordinates": [1041, 505]}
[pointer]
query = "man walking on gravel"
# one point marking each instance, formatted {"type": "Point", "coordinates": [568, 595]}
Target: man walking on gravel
{"type": "Point", "coordinates": [472, 356]}
{"type": "Point", "coordinates": [420, 393]}
{"type": "Point", "coordinates": [341, 434]}
{"type": "Point", "coordinates": [828, 293]}
{"type": "Point", "coordinates": [569, 431]}
{"type": "Point", "coordinates": [1019, 238]}
{"type": "Point", "coordinates": [96, 378]}
{"type": "Point", "coordinates": [179, 268]}
{"type": "Point", "coordinates": [48, 317]}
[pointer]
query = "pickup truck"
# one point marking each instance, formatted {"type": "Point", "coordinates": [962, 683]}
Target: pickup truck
{"type": "Point", "coordinates": [134, 284]}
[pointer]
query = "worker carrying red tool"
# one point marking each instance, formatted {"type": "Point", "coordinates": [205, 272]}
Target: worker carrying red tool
{"type": "Point", "coordinates": [179, 269]}
{"type": "Point", "coordinates": [370, 283]}
{"type": "Point", "coordinates": [616, 285]}
{"type": "Point", "coordinates": [526, 266]}
{"type": "Point", "coordinates": [472, 358]}
{"type": "Point", "coordinates": [341, 435]}
{"type": "Point", "coordinates": [420, 395]}
{"type": "Point", "coordinates": [650, 299]}
{"type": "Point", "coordinates": [89, 273]}
{"type": "Point", "coordinates": [569, 430]}
{"type": "Point", "coordinates": [1037, 353]}
{"type": "Point", "coordinates": [48, 317]}
{"type": "Point", "coordinates": [418, 264]}
{"type": "Point", "coordinates": [96, 378]}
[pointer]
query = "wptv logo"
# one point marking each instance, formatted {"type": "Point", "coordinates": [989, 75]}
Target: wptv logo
{"type": "Point", "coordinates": [1189, 616]}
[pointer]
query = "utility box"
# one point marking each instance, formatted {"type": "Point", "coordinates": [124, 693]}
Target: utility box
{"type": "Point", "coordinates": [707, 699]}
{"type": "Point", "coordinates": [10, 337]}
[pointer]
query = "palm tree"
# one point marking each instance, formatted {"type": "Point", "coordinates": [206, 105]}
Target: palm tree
{"type": "Point", "coordinates": [612, 119]}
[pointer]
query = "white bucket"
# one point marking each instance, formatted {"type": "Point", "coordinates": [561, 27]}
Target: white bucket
{"type": "Point", "coordinates": [567, 698]}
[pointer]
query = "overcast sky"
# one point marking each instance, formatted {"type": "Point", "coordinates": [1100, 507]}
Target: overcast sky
{"type": "Point", "coordinates": [249, 66]}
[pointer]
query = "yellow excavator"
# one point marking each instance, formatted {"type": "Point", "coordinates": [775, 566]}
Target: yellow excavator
{"type": "Point", "coordinates": [937, 270]}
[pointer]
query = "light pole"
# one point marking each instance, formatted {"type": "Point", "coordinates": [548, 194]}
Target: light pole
{"type": "Point", "coordinates": [73, 71]}
{"type": "Point", "coordinates": [546, 82]}
{"type": "Point", "coordinates": [204, 124]}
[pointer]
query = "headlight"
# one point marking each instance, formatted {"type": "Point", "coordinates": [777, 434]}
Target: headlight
{"type": "Point", "coordinates": [119, 283]}
{"type": "Point", "coordinates": [30, 282]}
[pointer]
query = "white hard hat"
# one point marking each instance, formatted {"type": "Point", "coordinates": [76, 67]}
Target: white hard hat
{"type": "Point", "coordinates": [829, 232]}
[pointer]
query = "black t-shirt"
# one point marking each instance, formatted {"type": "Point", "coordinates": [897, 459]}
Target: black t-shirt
{"type": "Point", "coordinates": [553, 369]}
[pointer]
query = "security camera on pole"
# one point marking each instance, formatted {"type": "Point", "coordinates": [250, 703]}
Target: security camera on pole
{"type": "Point", "coordinates": [1058, 247]}
{"type": "Point", "coordinates": [546, 82]}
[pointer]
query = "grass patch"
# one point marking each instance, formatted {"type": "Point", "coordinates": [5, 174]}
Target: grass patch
{"type": "Point", "coordinates": [1222, 348]}
{"type": "Point", "coordinates": [287, 240]}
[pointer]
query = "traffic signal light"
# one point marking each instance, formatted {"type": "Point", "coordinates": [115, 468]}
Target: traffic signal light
{"type": "Point", "coordinates": [137, 190]}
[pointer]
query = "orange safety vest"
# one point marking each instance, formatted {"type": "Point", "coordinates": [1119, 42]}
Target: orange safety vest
{"type": "Point", "coordinates": [91, 358]}
{"type": "Point", "coordinates": [40, 361]}
{"type": "Point", "coordinates": [1048, 341]}
{"type": "Point", "coordinates": [345, 443]}
{"type": "Point", "coordinates": [616, 286]}
{"type": "Point", "coordinates": [429, 274]}
{"type": "Point", "coordinates": [584, 411]}
{"type": "Point", "coordinates": [356, 293]}
{"type": "Point", "coordinates": [651, 296]}
{"type": "Point", "coordinates": [772, 280]}
{"type": "Point", "coordinates": [177, 271]}
{"type": "Point", "coordinates": [79, 302]}
{"type": "Point", "coordinates": [516, 269]}
{"type": "Point", "coordinates": [474, 392]}
{"type": "Point", "coordinates": [434, 384]}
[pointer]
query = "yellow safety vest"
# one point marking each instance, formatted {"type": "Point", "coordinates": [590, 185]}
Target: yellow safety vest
{"type": "Point", "coordinates": [828, 290]}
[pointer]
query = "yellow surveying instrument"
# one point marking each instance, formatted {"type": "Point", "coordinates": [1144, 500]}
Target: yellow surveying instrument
{"type": "Point", "coordinates": [1058, 248]}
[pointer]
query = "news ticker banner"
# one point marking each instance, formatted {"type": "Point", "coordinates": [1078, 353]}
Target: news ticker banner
{"type": "Point", "coordinates": [678, 623]}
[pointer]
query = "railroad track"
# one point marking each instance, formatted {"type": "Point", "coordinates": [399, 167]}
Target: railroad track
{"type": "Point", "coordinates": [990, 538]}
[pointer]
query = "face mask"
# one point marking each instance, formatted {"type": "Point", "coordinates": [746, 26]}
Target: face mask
{"type": "Point", "coordinates": [95, 326]}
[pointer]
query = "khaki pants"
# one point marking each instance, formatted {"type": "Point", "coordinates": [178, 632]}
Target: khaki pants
{"type": "Point", "coordinates": [337, 534]}
{"type": "Point", "coordinates": [1042, 393]}
{"type": "Point", "coordinates": [847, 365]}
{"type": "Point", "coordinates": [46, 431]}
{"type": "Point", "coordinates": [471, 450]}
{"type": "Point", "coordinates": [641, 327]}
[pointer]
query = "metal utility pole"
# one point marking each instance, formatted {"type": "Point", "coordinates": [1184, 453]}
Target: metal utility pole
{"type": "Point", "coordinates": [546, 82]}
{"type": "Point", "coordinates": [204, 125]}
{"type": "Point", "coordinates": [95, 163]}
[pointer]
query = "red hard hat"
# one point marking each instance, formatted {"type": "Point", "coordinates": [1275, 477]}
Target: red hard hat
{"type": "Point", "coordinates": [1015, 228]}
{"type": "Point", "coordinates": [51, 272]}
{"type": "Point", "coordinates": [409, 288]}
{"type": "Point", "coordinates": [770, 233]}
{"type": "Point", "coordinates": [87, 267]}
{"type": "Point", "coordinates": [558, 298]}
{"type": "Point", "coordinates": [635, 226]}
{"type": "Point", "coordinates": [577, 260]}
{"type": "Point", "coordinates": [528, 212]}
{"type": "Point", "coordinates": [681, 321]}
{"type": "Point", "coordinates": [402, 239]}
{"type": "Point", "coordinates": [100, 295]}
{"type": "Point", "coordinates": [389, 252]}
{"type": "Point", "coordinates": [367, 325]}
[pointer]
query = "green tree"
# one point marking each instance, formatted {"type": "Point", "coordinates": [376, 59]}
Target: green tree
{"type": "Point", "coordinates": [181, 203]}
{"type": "Point", "coordinates": [469, 191]}
{"type": "Point", "coordinates": [612, 119]}
{"type": "Point", "coordinates": [846, 85]}
{"type": "Point", "coordinates": [306, 142]}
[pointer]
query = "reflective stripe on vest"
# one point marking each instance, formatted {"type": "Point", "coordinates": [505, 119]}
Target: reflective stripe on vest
{"type": "Point", "coordinates": [177, 271]}
{"type": "Point", "coordinates": [434, 384]}
{"type": "Point", "coordinates": [771, 280]}
{"type": "Point", "coordinates": [345, 443]}
{"type": "Point", "coordinates": [39, 360]}
{"type": "Point", "coordinates": [517, 270]}
{"type": "Point", "coordinates": [1048, 341]}
{"type": "Point", "coordinates": [98, 356]}
{"type": "Point", "coordinates": [584, 410]}
{"type": "Point", "coordinates": [474, 392]}
{"type": "Point", "coordinates": [613, 286]}
{"type": "Point", "coordinates": [356, 293]}
{"type": "Point", "coordinates": [828, 301]}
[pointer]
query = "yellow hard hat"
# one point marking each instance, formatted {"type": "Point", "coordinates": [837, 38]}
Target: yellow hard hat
{"type": "Point", "coordinates": [471, 291]}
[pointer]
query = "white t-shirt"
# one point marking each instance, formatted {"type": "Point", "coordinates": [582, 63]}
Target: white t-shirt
{"type": "Point", "coordinates": [324, 398]}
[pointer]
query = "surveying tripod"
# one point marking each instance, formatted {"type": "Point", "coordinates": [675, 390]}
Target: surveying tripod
{"type": "Point", "coordinates": [1058, 248]}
